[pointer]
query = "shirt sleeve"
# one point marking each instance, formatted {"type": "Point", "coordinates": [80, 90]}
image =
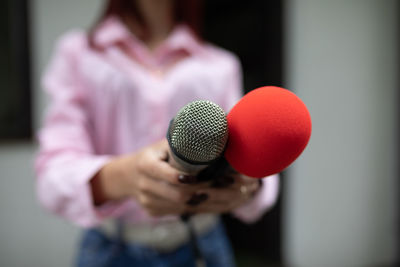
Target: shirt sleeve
{"type": "Point", "coordinates": [267, 196]}
{"type": "Point", "coordinates": [66, 160]}
{"type": "Point", "coordinates": [233, 89]}
{"type": "Point", "coordinates": [264, 200]}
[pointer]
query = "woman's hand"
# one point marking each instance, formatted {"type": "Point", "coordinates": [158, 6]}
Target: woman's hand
{"type": "Point", "coordinates": [226, 199]}
{"type": "Point", "coordinates": [149, 178]}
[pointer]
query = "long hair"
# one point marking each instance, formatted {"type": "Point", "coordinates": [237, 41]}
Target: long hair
{"type": "Point", "coordinates": [188, 12]}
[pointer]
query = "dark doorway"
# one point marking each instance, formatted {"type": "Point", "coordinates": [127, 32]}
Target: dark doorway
{"type": "Point", "coordinates": [15, 93]}
{"type": "Point", "coordinates": [253, 30]}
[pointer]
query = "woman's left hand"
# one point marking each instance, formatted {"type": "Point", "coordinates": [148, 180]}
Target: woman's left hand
{"type": "Point", "coordinates": [226, 199]}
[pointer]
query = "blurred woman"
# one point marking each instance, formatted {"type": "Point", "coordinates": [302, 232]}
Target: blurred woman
{"type": "Point", "coordinates": [103, 159]}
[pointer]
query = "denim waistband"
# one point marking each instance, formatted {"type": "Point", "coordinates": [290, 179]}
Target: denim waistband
{"type": "Point", "coordinates": [163, 236]}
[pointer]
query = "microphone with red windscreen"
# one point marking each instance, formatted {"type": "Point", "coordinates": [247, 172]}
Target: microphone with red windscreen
{"type": "Point", "coordinates": [268, 130]}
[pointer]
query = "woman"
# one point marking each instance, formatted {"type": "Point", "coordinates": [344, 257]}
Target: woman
{"type": "Point", "coordinates": [103, 155]}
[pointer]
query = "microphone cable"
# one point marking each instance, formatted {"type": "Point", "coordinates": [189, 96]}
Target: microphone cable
{"type": "Point", "coordinates": [193, 242]}
{"type": "Point", "coordinates": [217, 173]}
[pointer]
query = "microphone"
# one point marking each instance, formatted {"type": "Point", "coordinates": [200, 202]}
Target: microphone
{"type": "Point", "coordinates": [268, 130]}
{"type": "Point", "coordinates": [197, 136]}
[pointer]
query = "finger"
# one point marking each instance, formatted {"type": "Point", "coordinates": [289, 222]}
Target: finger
{"type": "Point", "coordinates": [249, 180]}
{"type": "Point", "coordinates": [223, 195]}
{"type": "Point", "coordinates": [228, 195]}
{"type": "Point", "coordinates": [157, 206]}
{"type": "Point", "coordinates": [150, 161]}
{"type": "Point", "coordinates": [164, 190]}
{"type": "Point", "coordinates": [162, 170]}
{"type": "Point", "coordinates": [210, 208]}
{"type": "Point", "coordinates": [217, 206]}
{"type": "Point", "coordinates": [250, 184]}
{"type": "Point", "coordinates": [233, 180]}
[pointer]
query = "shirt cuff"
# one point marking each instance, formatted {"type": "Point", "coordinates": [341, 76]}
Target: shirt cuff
{"type": "Point", "coordinates": [264, 200]}
{"type": "Point", "coordinates": [93, 215]}
{"type": "Point", "coordinates": [64, 188]}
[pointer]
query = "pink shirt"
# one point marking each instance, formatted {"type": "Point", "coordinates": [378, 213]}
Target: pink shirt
{"type": "Point", "coordinates": [117, 100]}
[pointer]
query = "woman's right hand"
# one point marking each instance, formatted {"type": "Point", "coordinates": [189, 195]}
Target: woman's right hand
{"type": "Point", "coordinates": [149, 178]}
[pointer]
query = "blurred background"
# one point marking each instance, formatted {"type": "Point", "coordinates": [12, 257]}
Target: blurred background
{"type": "Point", "coordinates": [339, 202]}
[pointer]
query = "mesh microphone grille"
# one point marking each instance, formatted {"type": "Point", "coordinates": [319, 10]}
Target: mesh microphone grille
{"type": "Point", "coordinates": [199, 132]}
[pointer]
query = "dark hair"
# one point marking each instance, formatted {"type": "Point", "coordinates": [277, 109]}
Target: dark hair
{"type": "Point", "coordinates": [187, 12]}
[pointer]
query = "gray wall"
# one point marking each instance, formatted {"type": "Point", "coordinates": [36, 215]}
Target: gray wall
{"type": "Point", "coordinates": [51, 18]}
{"type": "Point", "coordinates": [341, 197]}
{"type": "Point", "coordinates": [340, 201]}
{"type": "Point", "coordinates": [29, 236]}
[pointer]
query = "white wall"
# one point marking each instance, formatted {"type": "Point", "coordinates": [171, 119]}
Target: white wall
{"type": "Point", "coordinates": [341, 195]}
{"type": "Point", "coordinates": [29, 236]}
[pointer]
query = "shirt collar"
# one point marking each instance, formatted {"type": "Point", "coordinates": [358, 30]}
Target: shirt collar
{"type": "Point", "coordinates": [112, 31]}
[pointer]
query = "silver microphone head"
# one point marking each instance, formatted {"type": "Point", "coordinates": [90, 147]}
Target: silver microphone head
{"type": "Point", "coordinates": [199, 132]}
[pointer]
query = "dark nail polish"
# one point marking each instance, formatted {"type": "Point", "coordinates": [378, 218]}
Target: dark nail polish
{"type": "Point", "coordinates": [187, 179]}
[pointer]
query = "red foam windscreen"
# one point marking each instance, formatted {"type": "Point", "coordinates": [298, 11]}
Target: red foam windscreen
{"type": "Point", "coordinates": [268, 129]}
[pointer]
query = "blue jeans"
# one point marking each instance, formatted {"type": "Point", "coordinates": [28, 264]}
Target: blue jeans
{"type": "Point", "coordinates": [97, 250]}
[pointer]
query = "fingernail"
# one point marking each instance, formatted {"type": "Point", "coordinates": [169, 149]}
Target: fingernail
{"type": "Point", "coordinates": [187, 179]}
{"type": "Point", "coordinates": [196, 199]}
